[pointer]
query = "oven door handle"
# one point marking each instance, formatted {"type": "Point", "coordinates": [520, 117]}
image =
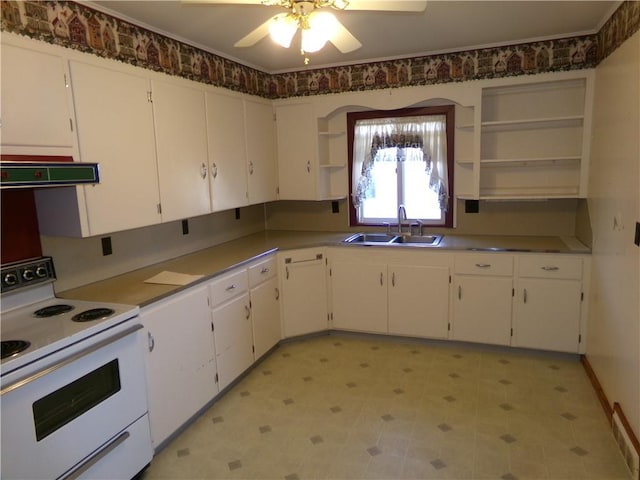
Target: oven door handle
{"type": "Point", "coordinates": [71, 358]}
{"type": "Point", "coordinates": [95, 458]}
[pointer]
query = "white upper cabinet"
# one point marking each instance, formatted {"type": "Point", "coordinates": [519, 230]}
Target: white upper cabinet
{"type": "Point", "coordinates": [227, 150]}
{"type": "Point", "coordinates": [262, 165]}
{"type": "Point", "coordinates": [115, 129]}
{"type": "Point", "coordinates": [36, 112]}
{"type": "Point", "coordinates": [297, 152]}
{"type": "Point", "coordinates": [181, 140]}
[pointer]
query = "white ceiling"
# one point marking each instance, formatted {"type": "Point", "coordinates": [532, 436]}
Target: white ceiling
{"type": "Point", "coordinates": [444, 26]}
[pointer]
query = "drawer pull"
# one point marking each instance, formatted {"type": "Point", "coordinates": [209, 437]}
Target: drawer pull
{"type": "Point", "coordinates": [393, 279]}
{"type": "Point", "coordinates": [151, 341]}
{"type": "Point", "coordinates": [264, 270]}
{"type": "Point", "coordinates": [459, 292]}
{"type": "Point", "coordinates": [277, 293]}
{"type": "Point", "coordinates": [551, 268]}
{"type": "Point", "coordinates": [232, 287]}
{"type": "Point", "coordinates": [483, 265]}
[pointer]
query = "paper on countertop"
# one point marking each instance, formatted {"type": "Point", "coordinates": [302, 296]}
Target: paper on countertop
{"type": "Point", "coordinates": [173, 278]}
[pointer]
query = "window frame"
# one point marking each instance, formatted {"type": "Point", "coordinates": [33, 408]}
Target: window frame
{"type": "Point", "coordinates": [447, 110]}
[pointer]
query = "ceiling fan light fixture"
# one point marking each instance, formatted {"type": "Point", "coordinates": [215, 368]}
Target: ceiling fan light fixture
{"type": "Point", "coordinates": [321, 26]}
{"type": "Point", "coordinates": [282, 29]}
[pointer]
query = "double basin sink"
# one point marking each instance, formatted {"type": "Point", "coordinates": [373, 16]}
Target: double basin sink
{"type": "Point", "coordinates": [393, 239]}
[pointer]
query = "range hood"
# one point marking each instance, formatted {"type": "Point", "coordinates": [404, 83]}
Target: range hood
{"type": "Point", "coordinates": [21, 171]}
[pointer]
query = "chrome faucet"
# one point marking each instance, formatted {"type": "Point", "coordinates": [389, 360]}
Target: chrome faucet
{"type": "Point", "coordinates": [402, 215]}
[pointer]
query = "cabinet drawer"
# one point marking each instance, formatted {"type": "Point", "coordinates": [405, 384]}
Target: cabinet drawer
{"type": "Point", "coordinates": [484, 264]}
{"type": "Point", "coordinates": [550, 266]}
{"type": "Point", "coordinates": [262, 271]}
{"type": "Point", "coordinates": [228, 286]}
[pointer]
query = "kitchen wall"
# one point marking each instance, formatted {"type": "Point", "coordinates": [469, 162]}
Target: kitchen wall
{"type": "Point", "coordinates": [79, 261]}
{"type": "Point", "coordinates": [613, 344]}
{"type": "Point", "coordinates": [552, 217]}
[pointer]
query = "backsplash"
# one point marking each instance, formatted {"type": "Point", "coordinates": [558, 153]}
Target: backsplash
{"type": "Point", "coordinates": [77, 26]}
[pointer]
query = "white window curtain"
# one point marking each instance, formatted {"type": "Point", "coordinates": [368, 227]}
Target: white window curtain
{"type": "Point", "coordinates": [408, 139]}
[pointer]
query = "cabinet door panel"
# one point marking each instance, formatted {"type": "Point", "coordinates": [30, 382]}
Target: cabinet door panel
{"type": "Point", "coordinates": [261, 151]}
{"type": "Point", "coordinates": [181, 138]}
{"type": "Point", "coordinates": [233, 339]}
{"type": "Point", "coordinates": [359, 296]}
{"type": "Point", "coordinates": [265, 316]}
{"type": "Point", "coordinates": [482, 309]}
{"type": "Point", "coordinates": [227, 151]}
{"type": "Point", "coordinates": [304, 293]}
{"type": "Point", "coordinates": [419, 301]}
{"type": "Point", "coordinates": [297, 152]}
{"type": "Point", "coordinates": [115, 129]}
{"type": "Point", "coordinates": [548, 314]}
{"type": "Point", "coordinates": [35, 106]}
{"type": "Point", "coordinates": [181, 358]}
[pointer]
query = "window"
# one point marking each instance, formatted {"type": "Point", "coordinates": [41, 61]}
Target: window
{"type": "Point", "coordinates": [401, 158]}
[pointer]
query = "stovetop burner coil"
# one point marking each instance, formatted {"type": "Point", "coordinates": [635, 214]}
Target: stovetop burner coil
{"type": "Point", "coordinates": [53, 310]}
{"type": "Point", "coordinates": [93, 314]}
{"type": "Point", "coordinates": [13, 347]}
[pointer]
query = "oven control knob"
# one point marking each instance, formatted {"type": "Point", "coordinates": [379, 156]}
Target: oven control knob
{"type": "Point", "coordinates": [10, 279]}
{"type": "Point", "coordinates": [28, 275]}
{"type": "Point", "coordinates": [41, 272]}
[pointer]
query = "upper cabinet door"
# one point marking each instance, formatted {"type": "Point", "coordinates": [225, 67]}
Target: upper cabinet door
{"type": "Point", "coordinates": [115, 129]}
{"type": "Point", "coordinates": [262, 166]}
{"type": "Point", "coordinates": [227, 151]}
{"type": "Point", "coordinates": [36, 109]}
{"type": "Point", "coordinates": [181, 139]}
{"type": "Point", "coordinates": [297, 152]}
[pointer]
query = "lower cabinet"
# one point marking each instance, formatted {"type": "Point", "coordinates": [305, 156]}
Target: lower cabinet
{"type": "Point", "coordinates": [482, 298]}
{"type": "Point", "coordinates": [303, 281]}
{"type": "Point", "coordinates": [548, 303]}
{"type": "Point", "coordinates": [232, 331]}
{"type": "Point", "coordinates": [400, 292]}
{"type": "Point", "coordinates": [180, 361]}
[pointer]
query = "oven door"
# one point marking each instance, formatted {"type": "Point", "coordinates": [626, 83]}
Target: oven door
{"type": "Point", "coordinates": [75, 406]}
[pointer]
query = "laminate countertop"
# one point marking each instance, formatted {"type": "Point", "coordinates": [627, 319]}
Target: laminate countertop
{"type": "Point", "coordinates": [131, 288]}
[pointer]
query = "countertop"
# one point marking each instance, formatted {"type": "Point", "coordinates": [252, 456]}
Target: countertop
{"type": "Point", "coordinates": [130, 288]}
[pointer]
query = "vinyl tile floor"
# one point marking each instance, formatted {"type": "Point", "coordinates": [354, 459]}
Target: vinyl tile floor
{"type": "Point", "coordinates": [357, 407]}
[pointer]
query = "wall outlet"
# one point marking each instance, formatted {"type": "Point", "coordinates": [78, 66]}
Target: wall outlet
{"type": "Point", "coordinates": [237, 214]}
{"type": "Point", "coordinates": [185, 227]}
{"type": "Point", "coordinates": [107, 249]}
{"type": "Point", "coordinates": [335, 206]}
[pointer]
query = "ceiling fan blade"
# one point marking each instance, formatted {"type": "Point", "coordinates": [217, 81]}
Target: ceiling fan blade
{"type": "Point", "coordinates": [388, 5]}
{"type": "Point", "coordinates": [344, 40]}
{"type": "Point", "coordinates": [254, 36]}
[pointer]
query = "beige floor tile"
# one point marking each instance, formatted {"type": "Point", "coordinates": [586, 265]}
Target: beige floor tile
{"type": "Point", "coordinates": [356, 407]}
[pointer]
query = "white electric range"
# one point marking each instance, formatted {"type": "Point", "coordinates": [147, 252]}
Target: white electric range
{"type": "Point", "coordinates": [73, 393]}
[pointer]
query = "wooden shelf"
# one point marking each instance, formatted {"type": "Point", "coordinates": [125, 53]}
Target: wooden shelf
{"type": "Point", "coordinates": [534, 161]}
{"type": "Point", "coordinates": [332, 165]}
{"type": "Point", "coordinates": [331, 134]}
{"type": "Point", "coordinates": [532, 123]}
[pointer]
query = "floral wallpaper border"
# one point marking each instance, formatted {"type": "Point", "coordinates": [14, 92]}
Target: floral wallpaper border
{"type": "Point", "coordinates": [74, 25]}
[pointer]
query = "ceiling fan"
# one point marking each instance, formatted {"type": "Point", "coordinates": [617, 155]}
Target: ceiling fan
{"type": "Point", "coordinates": [316, 24]}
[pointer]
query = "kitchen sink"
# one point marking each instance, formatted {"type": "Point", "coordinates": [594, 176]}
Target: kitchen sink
{"type": "Point", "coordinates": [418, 239]}
{"type": "Point", "coordinates": [393, 239]}
{"type": "Point", "coordinates": [371, 238]}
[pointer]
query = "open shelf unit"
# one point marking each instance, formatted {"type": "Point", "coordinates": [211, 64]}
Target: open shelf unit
{"type": "Point", "coordinates": [332, 157]}
{"type": "Point", "coordinates": [534, 140]}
